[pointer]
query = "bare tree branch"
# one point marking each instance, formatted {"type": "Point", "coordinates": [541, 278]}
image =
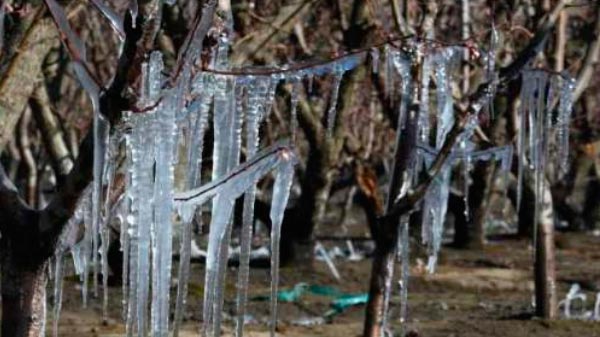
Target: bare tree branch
{"type": "Point", "coordinates": [590, 61]}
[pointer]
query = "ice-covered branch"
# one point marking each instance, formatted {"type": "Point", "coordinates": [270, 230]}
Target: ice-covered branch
{"type": "Point", "coordinates": [115, 20]}
{"type": "Point", "coordinates": [236, 182]}
{"type": "Point", "coordinates": [477, 101]}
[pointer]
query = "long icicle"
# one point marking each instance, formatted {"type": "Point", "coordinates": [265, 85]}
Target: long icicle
{"type": "Point", "coordinates": [283, 182]}
{"type": "Point", "coordinates": [163, 203]}
{"type": "Point", "coordinates": [58, 286]}
{"type": "Point", "coordinates": [194, 174]}
{"type": "Point", "coordinates": [333, 101]}
{"type": "Point", "coordinates": [257, 96]}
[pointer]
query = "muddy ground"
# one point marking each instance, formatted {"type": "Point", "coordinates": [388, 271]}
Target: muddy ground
{"type": "Point", "coordinates": [473, 293]}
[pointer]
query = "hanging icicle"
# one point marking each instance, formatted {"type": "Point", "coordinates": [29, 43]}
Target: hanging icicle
{"type": "Point", "coordinates": [546, 102]}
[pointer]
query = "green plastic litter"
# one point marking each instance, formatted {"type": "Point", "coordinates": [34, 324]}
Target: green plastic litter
{"type": "Point", "coordinates": [345, 301]}
{"type": "Point", "coordinates": [324, 290]}
{"type": "Point", "coordinates": [293, 294]}
{"type": "Point", "coordinates": [339, 304]}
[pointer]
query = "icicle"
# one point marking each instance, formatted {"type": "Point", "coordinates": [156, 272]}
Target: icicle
{"type": "Point", "coordinates": [227, 132]}
{"type": "Point", "coordinates": [144, 221]}
{"type": "Point", "coordinates": [228, 188]}
{"type": "Point", "coordinates": [295, 97]}
{"type": "Point", "coordinates": [445, 109]}
{"type": "Point", "coordinates": [490, 65]}
{"type": "Point", "coordinates": [163, 201]}
{"type": "Point", "coordinates": [563, 121]}
{"type": "Point", "coordinates": [194, 172]}
{"type": "Point", "coordinates": [125, 241]}
{"type": "Point", "coordinates": [402, 65]}
{"type": "Point", "coordinates": [71, 39]}
{"type": "Point", "coordinates": [403, 253]}
{"type": "Point", "coordinates": [526, 95]}
{"type": "Point", "coordinates": [143, 163]}
{"type": "Point", "coordinates": [44, 310]}
{"type": "Point", "coordinates": [133, 164]}
{"type": "Point", "coordinates": [107, 179]}
{"type": "Point", "coordinates": [389, 79]}
{"type": "Point", "coordinates": [197, 136]}
{"type": "Point", "coordinates": [257, 101]}
{"type": "Point", "coordinates": [141, 220]}
{"type": "Point", "coordinates": [58, 285]}
{"type": "Point", "coordinates": [231, 154]}
{"type": "Point", "coordinates": [424, 124]}
{"type": "Point", "coordinates": [186, 213]}
{"type": "Point", "coordinates": [115, 20]}
{"type": "Point", "coordinates": [133, 10]}
{"type": "Point", "coordinates": [439, 196]}
{"type": "Point", "coordinates": [281, 192]}
{"type": "Point", "coordinates": [466, 167]}
{"type": "Point", "coordinates": [375, 60]}
{"type": "Point", "coordinates": [435, 206]}
{"type": "Point", "coordinates": [87, 250]}
{"type": "Point", "coordinates": [264, 114]}
{"type": "Point", "coordinates": [333, 101]}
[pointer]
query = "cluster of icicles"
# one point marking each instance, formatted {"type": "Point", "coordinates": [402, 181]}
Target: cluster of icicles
{"type": "Point", "coordinates": [154, 210]}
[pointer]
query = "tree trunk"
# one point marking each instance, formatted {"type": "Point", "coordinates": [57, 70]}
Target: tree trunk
{"type": "Point", "coordinates": [381, 272]}
{"type": "Point", "coordinates": [23, 296]}
{"type": "Point", "coordinates": [544, 269]}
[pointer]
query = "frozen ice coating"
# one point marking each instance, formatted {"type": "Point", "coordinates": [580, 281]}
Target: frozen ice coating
{"type": "Point", "coordinates": [333, 101]}
{"type": "Point", "coordinates": [404, 255]}
{"type": "Point", "coordinates": [543, 96]}
{"type": "Point", "coordinates": [390, 61]}
{"type": "Point", "coordinates": [402, 64]}
{"type": "Point", "coordinates": [564, 120]}
{"type": "Point", "coordinates": [258, 100]}
{"type": "Point", "coordinates": [163, 199]}
{"type": "Point", "coordinates": [234, 103]}
{"type": "Point", "coordinates": [71, 39]}
{"type": "Point", "coordinates": [445, 113]}
{"type": "Point", "coordinates": [424, 122]}
{"type": "Point", "coordinates": [295, 97]}
{"type": "Point", "coordinates": [58, 285]}
{"type": "Point", "coordinates": [115, 20]}
{"type": "Point", "coordinates": [435, 206]}
{"type": "Point", "coordinates": [466, 171]}
{"type": "Point", "coordinates": [281, 193]}
{"type": "Point", "coordinates": [436, 198]}
{"type": "Point", "coordinates": [108, 175]}
{"type": "Point", "coordinates": [186, 213]}
{"type": "Point", "coordinates": [142, 188]}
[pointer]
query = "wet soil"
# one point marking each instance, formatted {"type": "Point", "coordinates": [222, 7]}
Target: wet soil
{"type": "Point", "coordinates": [473, 293]}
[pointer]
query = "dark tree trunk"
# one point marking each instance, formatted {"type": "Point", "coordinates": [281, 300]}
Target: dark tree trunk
{"type": "Point", "coordinates": [23, 295]}
{"type": "Point", "coordinates": [381, 271]}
